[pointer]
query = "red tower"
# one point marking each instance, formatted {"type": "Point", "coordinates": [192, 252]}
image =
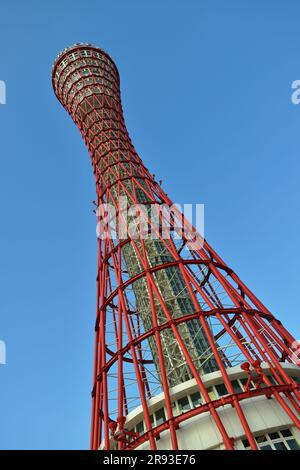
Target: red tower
{"type": "Point", "coordinates": [185, 355]}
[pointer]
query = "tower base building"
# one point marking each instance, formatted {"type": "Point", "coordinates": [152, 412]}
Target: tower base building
{"type": "Point", "coordinates": [271, 426]}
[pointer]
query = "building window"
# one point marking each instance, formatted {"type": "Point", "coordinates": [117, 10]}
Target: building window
{"type": "Point", "coordinates": [160, 417]}
{"type": "Point", "coordinates": [184, 404]}
{"type": "Point", "coordinates": [211, 393]}
{"type": "Point", "coordinates": [236, 386]}
{"type": "Point", "coordinates": [280, 440]}
{"type": "Point", "coordinates": [221, 390]}
{"type": "Point", "coordinates": [244, 382]}
{"type": "Point", "coordinates": [140, 428]}
{"type": "Point", "coordinates": [196, 399]}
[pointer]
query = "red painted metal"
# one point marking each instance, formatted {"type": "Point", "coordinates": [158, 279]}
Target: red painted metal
{"type": "Point", "coordinates": [236, 328]}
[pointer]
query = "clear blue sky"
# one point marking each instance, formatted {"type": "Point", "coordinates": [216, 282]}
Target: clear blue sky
{"type": "Point", "coordinates": [206, 90]}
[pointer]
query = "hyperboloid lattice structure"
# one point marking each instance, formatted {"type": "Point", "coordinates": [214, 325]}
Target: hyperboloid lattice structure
{"type": "Point", "coordinates": [183, 349]}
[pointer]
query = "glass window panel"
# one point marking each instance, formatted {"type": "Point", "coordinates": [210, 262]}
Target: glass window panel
{"type": "Point", "coordinates": [261, 439]}
{"type": "Point", "coordinates": [221, 389]}
{"type": "Point", "coordinates": [211, 393]}
{"type": "Point", "coordinates": [245, 443]}
{"type": "Point", "coordinates": [293, 444]}
{"type": "Point", "coordinates": [244, 381]}
{"type": "Point", "coordinates": [236, 386]}
{"type": "Point", "coordinates": [280, 446]}
{"type": "Point", "coordinates": [160, 417]}
{"type": "Point", "coordinates": [282, 440]}
{"type": "Point", "coordinates": [184, 404]}
{"type": "Point", "coordinates": [140, 428]}
{"type": "Point", "coordinates": [196, 399]}
{"type": "Point", "coordinates": [274, 435]}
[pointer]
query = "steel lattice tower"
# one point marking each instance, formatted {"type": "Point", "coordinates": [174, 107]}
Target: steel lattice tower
{"type": "Point", "coordinates": [185, 355]}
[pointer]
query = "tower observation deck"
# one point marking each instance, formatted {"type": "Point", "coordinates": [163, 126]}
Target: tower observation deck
{"type": "Point", "coordinates": [182, 347]}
